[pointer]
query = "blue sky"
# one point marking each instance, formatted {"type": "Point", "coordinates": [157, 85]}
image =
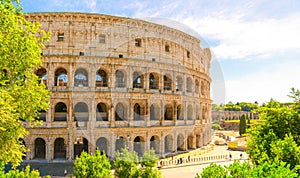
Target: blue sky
{"type": "Point", "coordinates": [256, 43]}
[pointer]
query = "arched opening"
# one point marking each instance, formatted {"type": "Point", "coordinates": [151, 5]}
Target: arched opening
{"type": "Point", "coordinates": [139, 145]}
{"type": "Point", "coordinates": [154, 143]}
{"type": "Point", "coordinates": [81, 112]}
{"type": "Point", "coordinates": [153, 81]}
{"type": "Point", "coordinates": [137, 80]}
{"type": "Point", "coordinates": [190, 112]}
{"type": "Point", "coordinates": [137, 111]}
{"type": "Point", "coordinates": [101, 78]}
{"type": "Point", "coordinates": [42, 74]}
{"type": "Point", "coordinates": [168, 144]}
{"type": "Point", "coordinates": [101, 145]}
{"type": "Point", "coordinates": [81, 78]}
{"type": "Point", "coordinates": [81, 144]}
{"type": "Point", "coordinates": [101, 112]}
{"type": "Point", "coordinates": [61, 77]}
{"type": "Point", "coordinates": [167, 82]}
{"type": "Point", "coordinates": [60, 113]}
{"type": "Point", "coordinates": [120, 144]}
{"type": "Point", "coordinates": [154, 112]}
{"type": "Point", "coordinates": [120, 79]}
{"type": "Point", "coordinates": [40, 148]}
{"type": "Point", "coordinates": [180, 142]}
{"type": "Point", "coordinates": [59, 148]}
{"type": "Point", "coordinates": [180, 112]}
{"type": "Point", "coordinates": [168, 112]}
{"type": "Point", "coordinates": [196, 86]}
{"type": "Point", "coordinates": [120, 112]}
{"type": "Point", "coordinates": [179, 83]}
{"type": "Point", "coordinates": [189, 85]}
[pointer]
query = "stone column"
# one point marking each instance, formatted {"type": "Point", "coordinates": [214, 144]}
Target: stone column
{"type": "Point", "coordinates": [49, 149]}
{"type": "Point", "coordinates": [112, 146]}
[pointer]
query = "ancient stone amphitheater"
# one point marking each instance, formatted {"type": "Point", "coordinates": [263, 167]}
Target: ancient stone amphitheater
{"type": "Point", "coordinates": [118, 83]}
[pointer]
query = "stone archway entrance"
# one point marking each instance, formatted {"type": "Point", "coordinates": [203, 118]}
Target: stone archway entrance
{"type": "Point", "coordinates": [40, 148]}
{"type": "Point", "coordinates": [81, 144]}
{"type": "Point", "coordinates": [59, 149]}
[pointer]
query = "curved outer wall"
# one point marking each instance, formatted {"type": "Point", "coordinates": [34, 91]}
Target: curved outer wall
{"type": "Point", "coordinates": [120, 82]}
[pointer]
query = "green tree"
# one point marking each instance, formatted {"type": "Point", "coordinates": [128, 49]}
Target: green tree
{"type": "Point", "coordinates": [213, 171]}
{"type": "Point", "coordinates": [277, 137]}
{"type": "Point", "coordinates": [126, 164]}
{"type": "Point", "coordinates": [21, 94]}
{"type": "Point", "coordinates": [92, 166]}
{"type": "Point", "coordinates": [248, 123]}
{"type": "Point", "coordinates": [26, 173]}
{"type": "Point", "coordinates": [149, 162]}
{"type": "Point", "coordinates": [246, 170]}
{"type": "Point", "coordinates": [243, 125]}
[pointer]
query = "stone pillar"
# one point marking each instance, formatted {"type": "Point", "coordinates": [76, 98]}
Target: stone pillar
{"type": "Point", "coordinates": [162, 145]}
{"type": "Point", "coordinates": [129, 143]}
{"type": "Point", "coordinates": [49, 149]}
{"type": "Point", "coordinates": [146, 81]}
{"type": "Point", "coordinates": [71, 140]}
{"type": "Point", "coordinates": [112, 115]}
{"type": "Point", "coordinates": [147, 113]}
{"type": "Point", "coordinates": [112, 146]}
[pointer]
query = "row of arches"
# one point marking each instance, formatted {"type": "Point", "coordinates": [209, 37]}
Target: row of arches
{"type": "Point", "coordinates": [81, 112]}
{"type": "Point", "coordinates": [81, 78]}
{"type": "Point", "coordinates": [139, 144]}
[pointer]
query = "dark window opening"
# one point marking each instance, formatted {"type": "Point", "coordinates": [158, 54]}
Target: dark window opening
{"type": "Point", "coordinates": [60, 37]}
{"type": "Point", "coordinates": [167, 48]}
{"type": "Point", "coordinates": [188, 54]}
{"type": "Point", "coordinates": [138, 42]}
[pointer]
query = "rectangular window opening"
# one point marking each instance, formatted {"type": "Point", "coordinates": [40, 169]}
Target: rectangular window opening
{"type": "Point", "coordinates": [102, 38]}
{"type": "Point", "coordinates": [138, 42]}
{"type": "Point", "coordinates": [167, 48]}
{"type": "Point", "coordinates": [60, 37]}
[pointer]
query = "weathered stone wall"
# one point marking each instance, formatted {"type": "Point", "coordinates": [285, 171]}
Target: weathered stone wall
{"type": "Point", "coordinates": [120, 82]}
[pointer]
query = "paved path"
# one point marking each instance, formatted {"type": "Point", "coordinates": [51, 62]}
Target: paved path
{"type": "Point", "coordinates": [189, 170]}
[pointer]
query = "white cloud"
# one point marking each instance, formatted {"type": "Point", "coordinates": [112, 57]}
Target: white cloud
{"type": "Point", "coordinates": [242, 39]}
{"type": "Point", "coordinates": [273, 81]}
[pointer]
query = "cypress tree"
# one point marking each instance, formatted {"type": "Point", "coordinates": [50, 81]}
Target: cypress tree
{"type": "Point", "coordinates": [242, 127]}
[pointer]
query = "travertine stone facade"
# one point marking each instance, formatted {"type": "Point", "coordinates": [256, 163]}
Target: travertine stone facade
{"type": "Point", "coordinates": [231, 115]}
{"type": "Point", "coordinates": [120, 82]}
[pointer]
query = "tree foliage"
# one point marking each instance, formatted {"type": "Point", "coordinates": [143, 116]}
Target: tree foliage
{"type": "Point", "coordinates": [127, 165]}
{"type": "Point", "coordinates": [239, 106]}
{"type": "Point", "coordinates": [92, 166]}
{"type": "Point", "coordinates": [278, 136]}
{"type": "Point", "coordinates": [21, 95]}
{"type": "Point", "coordinates": [245, 170]}
{"type": "Point", "coordinates": [26, 173]}
{"type": "Point", "coordinates": [243, 125]}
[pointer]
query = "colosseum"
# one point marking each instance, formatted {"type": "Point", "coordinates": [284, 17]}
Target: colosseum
{"type": "Point", "coordinates": [120, 82]}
